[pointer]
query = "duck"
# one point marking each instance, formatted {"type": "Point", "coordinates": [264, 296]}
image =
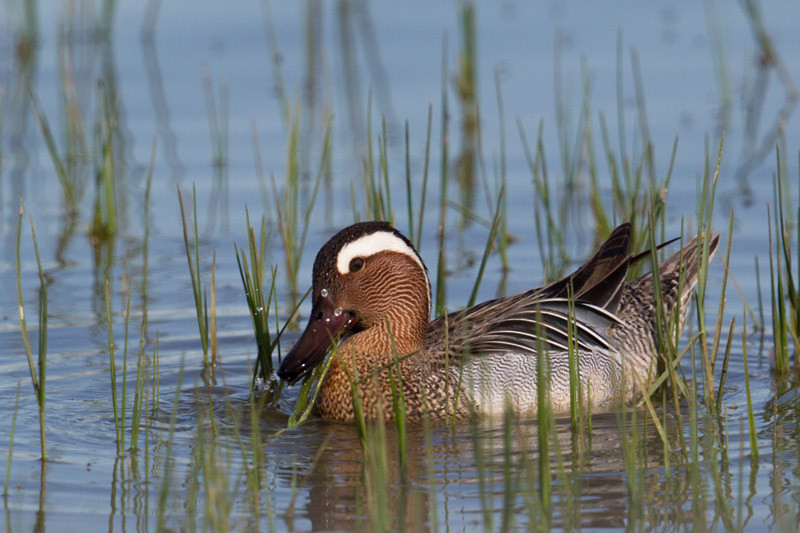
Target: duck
{"type": "Point", "coordinates": [371, 305]}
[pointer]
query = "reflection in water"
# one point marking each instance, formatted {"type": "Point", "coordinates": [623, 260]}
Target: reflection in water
{"type": "Point", "coordinates": [158, 97]}
{"type": "Point", "coordinates": [355, 27]}
{"type": "Point", "coordinates": [41, 513]}
{"type": "Point", "coordinates": [236, 470]}
{"type": "Point", "coordinates": [218, 200]}
{"type": "Point", "coordinates": [16, 103]}
{"type": "Point", "coordinates": [782, 427]}
{"type": "Point", "coordinates": [767, 61]}
{"type": "Point", "coordinates": [460, 475]}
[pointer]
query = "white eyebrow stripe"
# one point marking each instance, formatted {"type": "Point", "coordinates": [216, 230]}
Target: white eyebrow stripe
{"type": "Point", "coordinates": [380, 241]}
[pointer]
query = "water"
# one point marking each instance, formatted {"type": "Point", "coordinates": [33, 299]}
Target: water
{"type": "Point", "coordinates": [393, 53]}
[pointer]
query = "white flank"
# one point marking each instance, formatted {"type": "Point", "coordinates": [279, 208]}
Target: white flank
{"type": "Point", "coordinates": [380, 241]}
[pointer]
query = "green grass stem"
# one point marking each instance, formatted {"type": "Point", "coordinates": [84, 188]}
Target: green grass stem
{"type": "Point", "coordinates": [113, 367]}
{"type": "Point", "coordinates": [418, 240]}
{"type": "Point", "coordinates": [201, 305]}
{"type": "Point", "coordinates": [441, 268]}
{"type": "Point", "coordinates": [752, 429]}
{"type": "Point", "coordinates": [38, 370]}
{"type": "Point", "coordinates": [303, 407]}
{"type": "Point", "coordinates": [398, 402]}
{"type": "Point", "coordinates": [490, 241]}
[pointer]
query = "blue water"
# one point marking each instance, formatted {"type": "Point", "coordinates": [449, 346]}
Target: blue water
{"type": "Point", "coordinates": [539, 55]}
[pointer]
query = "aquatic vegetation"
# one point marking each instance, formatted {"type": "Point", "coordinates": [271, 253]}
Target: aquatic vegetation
{"type": "Point", "coordinates": [206, 325]}
{"type": "Point", "coordinates": [38, 370]}
{"type": "Point", "coordinates": [353, 126]}
{"type": "Point", "coordinates": [784, 282]}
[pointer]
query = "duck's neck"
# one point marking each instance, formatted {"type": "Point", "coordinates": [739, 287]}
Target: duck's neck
{"type": "Point", "coordinates": [387, 339]}
{"type": "Point", "coordinates": [366, 357]}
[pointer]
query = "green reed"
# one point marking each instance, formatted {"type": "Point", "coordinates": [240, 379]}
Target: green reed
{"type": "Point", "coordinates": [490, 242]}
{"type": "Point", "coordinates": [629, 172]}
{"type": "Point", "coordinates": [785, 283]}
{"type": "Point", "coordinates": [140, 389]}
{"type": "Point", "coordinates": [441, 269]}
{"type": "Point", "coordinates": [156, 382]}
{"type": "Point", "coordinates": [398, 401]}
{"type": "Point", "coordinates": [377, 191]}
{"type": "Point", "coordinates": [258, 302]}
{"type": "Point", "coordinates": [421, 211]}
{"type": "Point", "coordinates": [288, 208]}
{"type": "Point", "coordinates": [720, 322]}
{"type": "Point", "coordinates": [576, 403]}
{"type": "Point", "coordinates": [142, 363]}
{"type": "Point", "coordinates": [544, 414]}
{"type": "Point", "coordinates": [386, 204]}
{"type": "Point", "coordinates": [38, 370]}
{"type": "Point", "coordinates": [549, 236]}
{"type": "Point", "coordinates": [358, 405]}
{"type": "Point", "coordinates": [200, 297]}
{"type": "Point", "coordinates": [119, 420]}
{"type": "Point", "coordinates": [305, 400]}
{"type": "Point", "coordinates": [752, 429]}
{"type": "Point", "coordinates": [376, 474]}
{"type": "Point", "coordinates": [375, 467]}
{"type": "Point", "coordinates": [505, 238]}
{"type": "Point", "coordinates": [706, 208]}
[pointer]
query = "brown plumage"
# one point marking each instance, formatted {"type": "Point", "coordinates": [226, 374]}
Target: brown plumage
{"type": "Point", "coordinates": [371, 288]}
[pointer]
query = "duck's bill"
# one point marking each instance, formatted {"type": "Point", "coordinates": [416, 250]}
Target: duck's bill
{"type": "Point", "coordinates": [325, 325]}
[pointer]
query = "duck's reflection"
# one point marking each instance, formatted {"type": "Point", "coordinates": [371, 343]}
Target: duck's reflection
{"type": "Point", "coordinates": [479, 474]}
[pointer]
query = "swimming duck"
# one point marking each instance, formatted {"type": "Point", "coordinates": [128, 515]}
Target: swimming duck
{"type": "Point", "coordinates": [371, 303]}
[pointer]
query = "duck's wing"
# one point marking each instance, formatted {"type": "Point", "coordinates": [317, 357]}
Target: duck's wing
{"type": "Point", "coordinates": [598, 281]}
{"type": "Point", "coordinates": [520, 325]}
{"type": "Point", "coordinates": [539, 318]}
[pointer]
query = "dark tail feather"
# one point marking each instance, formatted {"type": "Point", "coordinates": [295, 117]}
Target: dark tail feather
{"type": "Point", "coordinates": [600, 279]}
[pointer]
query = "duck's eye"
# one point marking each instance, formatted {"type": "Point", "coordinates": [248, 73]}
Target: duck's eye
{"type": "Point", "coordinates": [356, 263]}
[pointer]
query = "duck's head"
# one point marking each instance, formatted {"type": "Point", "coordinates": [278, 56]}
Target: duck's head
{"type": "Point", "coordinates": [366, 277]}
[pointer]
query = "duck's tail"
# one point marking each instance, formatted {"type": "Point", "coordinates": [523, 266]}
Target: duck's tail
{"type": "Point", "coordinates": [637, 333]}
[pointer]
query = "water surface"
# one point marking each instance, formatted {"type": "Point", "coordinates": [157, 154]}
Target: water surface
{"type": "Point", "coordinates": [701, 71]}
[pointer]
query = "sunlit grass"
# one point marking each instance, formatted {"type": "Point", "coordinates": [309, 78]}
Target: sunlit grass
{"type": "Point", "coordinates": [784, 281]}
{"type": "Point", "coordinates": [204, 324]}
{"type": "Point", "coordinates": [673, 442]}
{"type": "Point", "coordinates": [38, 369]}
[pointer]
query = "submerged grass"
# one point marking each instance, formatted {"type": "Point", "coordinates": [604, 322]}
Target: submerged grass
{"type": "Point", "coordinates": [11, 442]}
